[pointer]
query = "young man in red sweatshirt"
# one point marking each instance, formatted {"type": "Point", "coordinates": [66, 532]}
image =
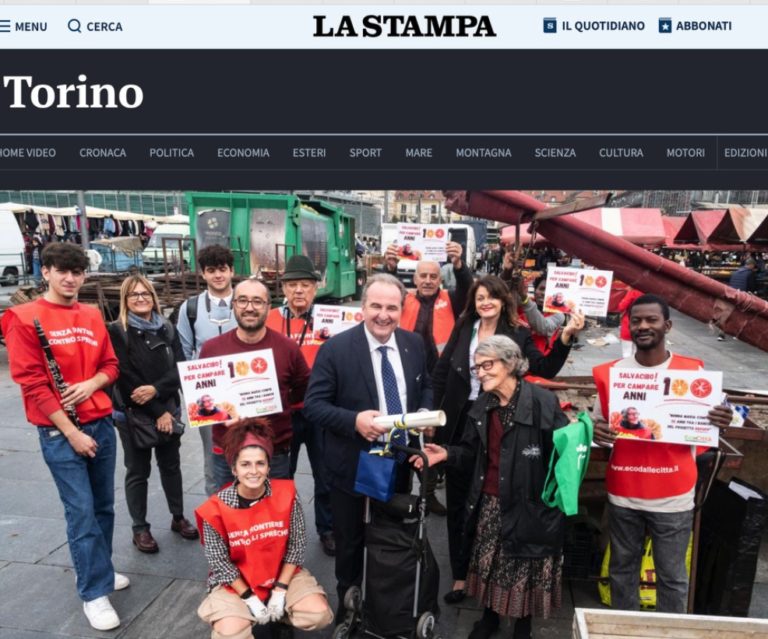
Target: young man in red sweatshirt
{"type": "Point", "coordinates": [73, 417]}
{"type": "Point", "coordinates": [649, 484]}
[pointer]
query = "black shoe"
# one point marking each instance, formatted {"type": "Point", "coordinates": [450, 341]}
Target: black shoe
{"type": "Point", "coordinates": [485, 628]}
{"type": "Point", "coordinates": [329, 543]}
{"type": "Point", "coordinates": [522, 628]}
{"type": "Point", "coordinates": [280, 630]}
{"type": "Point", "coordinates": [435, 507]}
{"type": "Point", "coordinates": [455, 596]}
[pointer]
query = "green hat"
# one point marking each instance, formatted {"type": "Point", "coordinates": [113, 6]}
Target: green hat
{"type": "Point", "coordinates": [300, 267]}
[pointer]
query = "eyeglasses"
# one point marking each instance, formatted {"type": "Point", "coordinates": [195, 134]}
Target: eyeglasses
{"type": "Point", "coordinates": [140, 295]}
{"type": "Point", "coordinates": [486, 366]}
{"type": "Point", "coordinates": [243, 302]}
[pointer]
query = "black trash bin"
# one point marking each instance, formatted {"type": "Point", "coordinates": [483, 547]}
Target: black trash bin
{"type": "Point", "coordinates": [731, 529]}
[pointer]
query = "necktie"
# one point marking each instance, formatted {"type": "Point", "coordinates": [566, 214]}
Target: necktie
{"type": "Point", "coordinates": [392, 398]}
{"type": "Point", "coordinates": [223, 303]}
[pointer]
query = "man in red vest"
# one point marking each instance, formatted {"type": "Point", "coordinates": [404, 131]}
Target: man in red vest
{"type": "Point", "coordinates": [294, 320]}
{"type": "Point", "coordinates": [431, 312]}
{"type": "Point", "coordinates": [650, 484]}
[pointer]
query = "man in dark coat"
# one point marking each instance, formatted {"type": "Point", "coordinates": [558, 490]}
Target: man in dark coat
{"type": "Point", "coordinates": [346, 392]}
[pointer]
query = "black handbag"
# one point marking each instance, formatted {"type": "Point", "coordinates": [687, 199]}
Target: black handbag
{"type": "Point", "coordinates": [143, 429]}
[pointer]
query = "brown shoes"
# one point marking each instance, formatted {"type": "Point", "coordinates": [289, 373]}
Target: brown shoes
{"type": "Point", "coordinates": [184, 528]}
{"type": "Point", "coordinates": [145, 542]}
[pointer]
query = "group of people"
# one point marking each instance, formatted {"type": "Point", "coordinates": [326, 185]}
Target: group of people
{"type": "Point", "coordinates": [475, 353]}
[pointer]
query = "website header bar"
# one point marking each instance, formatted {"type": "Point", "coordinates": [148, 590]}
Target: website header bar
{"type": "Point", "coordinates": [383, 27]}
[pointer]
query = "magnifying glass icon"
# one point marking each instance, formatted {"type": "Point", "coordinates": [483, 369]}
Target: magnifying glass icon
{"type": "Point", "coordinates": [74, 25]}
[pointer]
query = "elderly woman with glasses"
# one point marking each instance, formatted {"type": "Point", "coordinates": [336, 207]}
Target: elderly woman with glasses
{"type": "Point", "coordinates": [147, 348]}
{"type": "Point", "coordinates": [515, 565]}
{"type": "Point", "coordinates": [491, 310]}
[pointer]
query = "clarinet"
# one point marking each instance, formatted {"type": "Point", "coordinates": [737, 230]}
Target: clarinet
{"type": "Point", "coordinates": [53, 366]}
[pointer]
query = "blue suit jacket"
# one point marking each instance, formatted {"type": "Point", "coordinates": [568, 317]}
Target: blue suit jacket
{"type": "Point", "coordinates": [342, 385]}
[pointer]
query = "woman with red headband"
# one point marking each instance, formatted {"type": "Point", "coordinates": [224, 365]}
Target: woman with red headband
{"type": "Point", "coordinates": [255, 540]}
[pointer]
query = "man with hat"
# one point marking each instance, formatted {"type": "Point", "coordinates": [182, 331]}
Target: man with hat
{"type": "Point", "coordinates": [294, 320]}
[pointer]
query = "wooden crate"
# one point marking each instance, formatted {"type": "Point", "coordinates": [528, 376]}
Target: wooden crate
{"type": "Point", "coordinates": [621, 624]}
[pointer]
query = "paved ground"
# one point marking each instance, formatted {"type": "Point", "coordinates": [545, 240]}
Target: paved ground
{"type": "Point", "coordinates": [37, 595]}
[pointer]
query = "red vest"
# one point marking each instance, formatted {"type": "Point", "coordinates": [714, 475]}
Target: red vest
{"type": "Point", "coordinates": [257, 537]}
{"type": "Point", "coordinates": [643, 469]}
{"type": "Point", "coordinates": [309, 347]}
{"type": "Point", "coordinates": [442, 317]}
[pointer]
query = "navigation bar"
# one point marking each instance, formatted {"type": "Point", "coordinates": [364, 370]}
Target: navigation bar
{"type": "Point", "coordinates": [605, 161]}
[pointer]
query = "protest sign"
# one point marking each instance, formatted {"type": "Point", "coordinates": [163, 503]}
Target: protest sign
{"type": "Point", "coordinates": [217, 389]}
{"type": "Point", "coordinates": [328, 321]}
{"type": "Point", "coordinates": [422, 242]}
{"type": "Point", "coordinates": [570, 289]}
{"type": "Point", "coordinates": [664, 405]}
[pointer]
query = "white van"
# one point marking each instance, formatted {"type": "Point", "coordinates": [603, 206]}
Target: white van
{"type": "Point", "coordinates": [152, 256]}
{"type": "Point", "coordinates": [11, 249]}
{"type": "Point", "coordinates": [461, 233]}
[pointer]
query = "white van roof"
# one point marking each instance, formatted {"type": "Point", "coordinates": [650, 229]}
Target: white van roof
{"type": "Point", "coordinates": [172, 229]}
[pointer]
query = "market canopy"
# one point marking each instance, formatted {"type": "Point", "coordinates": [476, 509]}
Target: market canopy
{"type": "Point", "coordinates": [643, 227]}
{"type": "Point", "coordinates": [724, 229]}
{"type": "Point", "coordinates": [672, 226]}
{"type": "Point", "coordinates": [507, 236]}
{"type": "Point", "coordinates": [90, 211]}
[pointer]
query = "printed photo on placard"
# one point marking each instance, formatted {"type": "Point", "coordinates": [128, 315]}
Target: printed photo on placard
{"type": "Point", "coordinates": [218, 389]}
{"type": "Point", "coordinates": [422, 242]}
{"type": "Point", "coordinates": [570, 289]}
{"type": "Point", "coordinates": [667, 406]}
{"type": "Point", "coordinates": [332, 320]}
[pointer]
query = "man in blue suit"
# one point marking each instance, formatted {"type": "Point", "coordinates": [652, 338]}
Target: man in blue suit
{"type": "Point", "coordinates": [347, 391]}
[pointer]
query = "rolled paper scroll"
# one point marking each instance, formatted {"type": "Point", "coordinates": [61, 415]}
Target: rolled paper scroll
{"type": "Point", "coordinates": [423, 419]}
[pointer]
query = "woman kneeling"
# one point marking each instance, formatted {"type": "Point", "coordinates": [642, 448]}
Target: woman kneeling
{"type": "Point", "coordinates": [255, 540]}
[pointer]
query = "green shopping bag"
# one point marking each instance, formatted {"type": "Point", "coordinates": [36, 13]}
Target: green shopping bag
{"type": "Point", "coordinates": [568, 464]}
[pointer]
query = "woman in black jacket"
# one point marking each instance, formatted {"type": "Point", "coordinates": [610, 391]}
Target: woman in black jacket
{"type": "Point", "coordinates": [148, 348]}
{"type": "Point", "coordinates": [515, 565]}
{"type": "Point", "coordinates": [491, 310]}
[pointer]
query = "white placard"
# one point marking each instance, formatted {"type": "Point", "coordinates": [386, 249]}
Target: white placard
{"type": "Point", "coordinates": [570, 289]}
{"type": "Point", "coordinates": [422, 242]}
{"type": "Point", "coordinates": [217, 389]}
{"type": "Point", "coordinates": [665, 405]}
{"type": "Point", "coordinates": [328, 321]}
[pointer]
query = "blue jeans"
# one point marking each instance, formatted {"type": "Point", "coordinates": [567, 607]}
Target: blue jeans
{"type": "Point", "coordinates": [87, 490]}
{"type": "Point", "coordinates": [670, 533]}
{"type": "Point", "coordinates": [222, 473]}
{"type": "Point", "coordinates": [311, 436]}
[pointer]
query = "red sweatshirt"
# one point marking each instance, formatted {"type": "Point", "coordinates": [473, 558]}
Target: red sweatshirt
{"type": "Point", "coordinates": [81, 346]}
{"type": "Point", "coordinates": [292, 376]}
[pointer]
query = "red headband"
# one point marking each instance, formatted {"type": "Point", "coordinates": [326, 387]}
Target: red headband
{"type": "Point", "coordinates": [253, 440]}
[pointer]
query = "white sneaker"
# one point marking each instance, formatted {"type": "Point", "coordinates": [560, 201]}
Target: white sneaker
{"type": "Point", "coordinates": [121, 581]}
{"type": "Point", "coordinates": [101, 615]}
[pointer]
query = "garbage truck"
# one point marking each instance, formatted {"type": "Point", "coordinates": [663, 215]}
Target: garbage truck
{"type": "Point", "coordinates": [264, 229]}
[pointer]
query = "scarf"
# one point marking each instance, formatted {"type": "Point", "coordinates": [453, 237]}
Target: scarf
{"type": "Point", "coordinates": [149, 326]}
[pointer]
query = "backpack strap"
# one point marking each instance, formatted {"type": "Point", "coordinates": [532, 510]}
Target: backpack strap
{"type": "Point", "coordinates": [192, 317]}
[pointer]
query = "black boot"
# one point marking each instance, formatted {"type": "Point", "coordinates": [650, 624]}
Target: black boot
{"type": "Point", "coordinates": [487, 625]}
{"type": "Point", "coordinates": [523, 628]}
{"type": "Point", "coordinates": [280, 630]}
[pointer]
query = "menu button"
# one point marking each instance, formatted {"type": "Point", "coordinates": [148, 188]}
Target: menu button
{"type": "Point", "coordinates": [31, 26]}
